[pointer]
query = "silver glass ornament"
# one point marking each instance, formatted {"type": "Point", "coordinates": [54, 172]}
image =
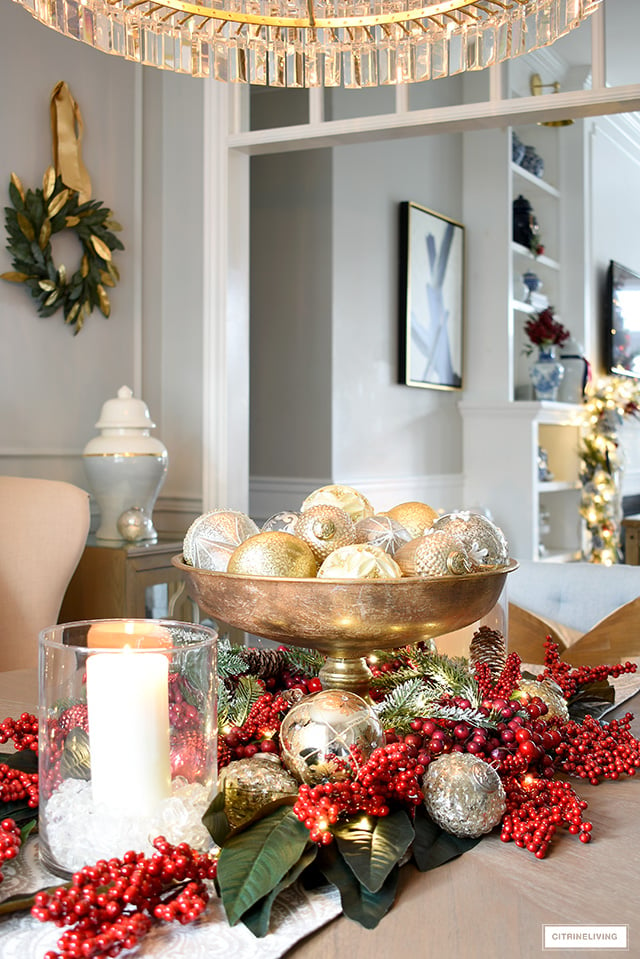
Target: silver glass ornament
{"type": "Point", "coordinates": [463, 794]}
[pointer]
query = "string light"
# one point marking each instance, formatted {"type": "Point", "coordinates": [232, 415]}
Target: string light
{"type": "Point", "coordinates": [608, 402]}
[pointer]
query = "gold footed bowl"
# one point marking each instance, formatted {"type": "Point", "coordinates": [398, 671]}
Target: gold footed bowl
{"type": "Point", "coordinates": [345, 619]}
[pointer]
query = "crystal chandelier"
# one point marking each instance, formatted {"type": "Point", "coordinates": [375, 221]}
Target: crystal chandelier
{"type": "Point", "coordinates": [297, 43]}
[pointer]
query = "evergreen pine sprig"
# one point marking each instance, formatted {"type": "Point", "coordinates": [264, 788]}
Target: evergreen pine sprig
{"type": "Point", "coordinates": [404, 703]}
{"type": "Point", "coordinates": [306, 661]}
{"type": "Point", "coordinates": [452, 675]}
{"type": "Point", "coordinates": [234, 707]}
{"type": "Point", "coordinates": [391, 680]}
{"type": "Point", "coordinates": [231, 662]}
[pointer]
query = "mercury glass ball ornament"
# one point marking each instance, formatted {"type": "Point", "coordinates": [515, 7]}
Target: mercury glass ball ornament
{"type": "Point", "coordinates": [328, 736]}
{"type": "Point", "coordinates": [282, 522]}
{"type": "Point", "coordinates": [346, 497]}
{"type": "Point", "coordinates": [325, 528]}
{"type": "Point", "coordinates": [484, 540]}
{"type": "Point", "coordinates": [134, 524]}
{"type": "Point", "coordinates": [437, 553]}
{"type": "Point", "coordinates": [416, 517]}
{"type": "Point", "coordinates": [212, 537]}
{"type": "Point", "coordinates": [463, 794]}
{"type": "Point", "coordinates": [382, 531]}
{"type": "Point", "coordinates": [550, 694]}
{"type": "Point", "coordinates": [249, 784]}
{"type": "Point", "coordinates": [359, 561]}
{"type": "Point", "coordinates": [273, 554]}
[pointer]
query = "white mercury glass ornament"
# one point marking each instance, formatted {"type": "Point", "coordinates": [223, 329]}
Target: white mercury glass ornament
{"type": "Point", "coordinates": [463, 794]}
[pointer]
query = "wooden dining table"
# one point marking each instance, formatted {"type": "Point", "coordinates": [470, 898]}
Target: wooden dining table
{"type": "Point", "coordinates": [494, 901]}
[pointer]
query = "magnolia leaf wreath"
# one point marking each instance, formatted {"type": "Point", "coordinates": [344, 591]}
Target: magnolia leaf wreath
{"type": "Point", "coordinates": [33, 219]}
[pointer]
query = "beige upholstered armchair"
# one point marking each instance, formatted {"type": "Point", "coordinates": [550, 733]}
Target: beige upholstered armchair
{"type": "Point", "coordinates": [43, 529]}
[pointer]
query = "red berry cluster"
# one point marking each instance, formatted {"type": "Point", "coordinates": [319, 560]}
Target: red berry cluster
{"type": "Point", "coordinates": [292, 680]}
{"type": "Point", "coordinates": [23, 732]}
{"type": "Point", "coordinates": [502, 686]}
{"type": "Point", "coordinates": [16, 784]}
{"type": "Point", "coordinates": [10, 841]}
{"type": "Point", "coordinates": [110, 905]}
{"type": "Point", "coordinates": [596, 751]}
{"type": "Point", "coordinates": [74, 717]}
{"type": "Point", "coordinates": [392, 772]}
{"type": "Point", "coordinates": [536, 808]}
{"type": "Point", "coordinates": [257, 734]}
{"type": "Point", "coordinates": [571, 678]}
{"type": "Point", "coordinates": [182, 714]}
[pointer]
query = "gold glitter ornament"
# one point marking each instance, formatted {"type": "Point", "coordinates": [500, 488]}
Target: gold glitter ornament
{"type": "Point", "coordinates": [484, 540]}
{"type": "Point", "coordinates": [383, 531]}
{"type": "Point", "coordinates": [463, 794]}
{"type": "Point", "coordinates": [213, 536]}
{"type": "Point", "coordinates": [359, 561]}
{"type": "Point", "coordinates": [434, 554]}
{"type": "Point", "coordinates": [325, 528]}
{"type": "Point", "coordinates": [249, 784]}
{"type": "Point", "coordinates": [346, 497]}
{"type": "Point", "coordinates": [328, 736]}
{"type": "Point", "coordinates": [274, 553]}
{"type": "Point", "coordinates": [416, 517]}
{"type": "Point", "coordinates": [550, 693]}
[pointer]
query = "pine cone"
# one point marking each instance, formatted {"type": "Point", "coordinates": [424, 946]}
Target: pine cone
{"type": "Point", "coordinates": [488, 647]}
{"type": "Point", "coordinates": [263, 663]}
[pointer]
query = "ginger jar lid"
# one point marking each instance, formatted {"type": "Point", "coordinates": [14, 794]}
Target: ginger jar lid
{"type": "Point", "coordinates": [125, 412]}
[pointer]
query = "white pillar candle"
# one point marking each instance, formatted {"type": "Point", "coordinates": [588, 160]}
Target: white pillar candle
{"type": "Point", "coordinates": [128, 706]}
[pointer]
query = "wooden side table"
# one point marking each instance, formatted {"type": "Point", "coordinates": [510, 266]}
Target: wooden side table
{"type": "Point", "coordinates": [631, 528]}
{"type": "Point", "coordinates": [128, 579]}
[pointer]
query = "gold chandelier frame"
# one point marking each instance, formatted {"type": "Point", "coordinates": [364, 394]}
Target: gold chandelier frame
{"type": "Point", "coordinates": [299, 43]}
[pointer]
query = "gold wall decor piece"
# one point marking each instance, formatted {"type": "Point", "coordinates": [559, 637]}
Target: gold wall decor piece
{"type": "Point", "coordinates": [297, 43]}
{"type": "Point", "coordinates": [537, 89]}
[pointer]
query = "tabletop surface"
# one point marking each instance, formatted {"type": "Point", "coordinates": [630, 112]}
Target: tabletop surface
{"type": "Point", "coordinates": [490, 903]}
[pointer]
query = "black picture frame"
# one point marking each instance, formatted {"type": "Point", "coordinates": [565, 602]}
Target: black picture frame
{"type": "Point", "coordinates": [622, 321]}
{"type": "Point", "coordinates": [431, 299]}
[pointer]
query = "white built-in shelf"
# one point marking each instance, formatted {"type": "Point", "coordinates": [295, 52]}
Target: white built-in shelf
{"type": "Point", "coordinates": [543, 260]}
{"type": "Point", "coordinates": [534, 180]}
{"type": "Point", "coordinates": [557, 486]}
{"type": "Point", "coordinates": [561, 556]}
{"type": "Point", "coordinates": [522, 307]}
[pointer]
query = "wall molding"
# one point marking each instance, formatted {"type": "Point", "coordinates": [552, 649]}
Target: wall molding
{"type": "Point", "coordinates": [273, 494]}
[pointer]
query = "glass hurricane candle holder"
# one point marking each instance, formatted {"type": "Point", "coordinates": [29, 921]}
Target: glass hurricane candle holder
{"type": "Point", "coordinates": [128, 738]}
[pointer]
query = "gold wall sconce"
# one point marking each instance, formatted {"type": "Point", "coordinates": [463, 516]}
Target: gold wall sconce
{"type": "Point", "coordinates": [537, 86]}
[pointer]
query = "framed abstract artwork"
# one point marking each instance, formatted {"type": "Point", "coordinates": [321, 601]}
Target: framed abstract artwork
{"type": "Point", "coordinates": [431, 298]}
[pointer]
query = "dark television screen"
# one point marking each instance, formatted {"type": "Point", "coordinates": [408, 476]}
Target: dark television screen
{"type": "Point", "coordinates": [623, 321]}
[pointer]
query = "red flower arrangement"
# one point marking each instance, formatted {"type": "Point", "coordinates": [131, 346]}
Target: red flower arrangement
{"type": "Point", "coordinates": [545, 330]}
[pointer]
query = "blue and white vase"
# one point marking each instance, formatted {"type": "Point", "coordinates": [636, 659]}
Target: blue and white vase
{"type": "Point", "coordinates": [546, 373]}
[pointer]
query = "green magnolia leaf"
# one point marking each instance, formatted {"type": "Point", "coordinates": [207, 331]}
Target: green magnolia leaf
{"type": "Point", "coordinates": [432, 846]}
{"type": "Point", "coordinates": [215, 820]}
{"type": "Point", "coordinates": [257, 918]}
{"type": "Point", "coordinates": [591, 700]}
{"type": "Point", "coordinates": [252, 862]}
{"type": "Point", "coordinates": [372, 846]}
{"type": "Point", "coordinates": [364, 907]}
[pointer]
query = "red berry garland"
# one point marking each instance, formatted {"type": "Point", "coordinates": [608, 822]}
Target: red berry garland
{"type": "Point", "coordinates": [16, 785]}
{"type": "Point", "coordinates": [23, 732]}
{"type": "Point", "coordinates": [571, 678]}
{"type": "Point", "coordinates": [111, 904]}
{"type": "Point", "coordinates": [597, 751]}
{"type": "Point", "coordinates": [10, 842]}
{"type": "Point", "coordinates": [392, 773]}
{"type": "Point", "coordinates": [536, 808]}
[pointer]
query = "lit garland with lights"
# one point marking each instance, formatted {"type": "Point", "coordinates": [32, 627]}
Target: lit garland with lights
{"type": "Point", "coordinates": [608, 402]}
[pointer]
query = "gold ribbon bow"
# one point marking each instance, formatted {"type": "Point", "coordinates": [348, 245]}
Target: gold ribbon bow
{"type": "Point", "coordinates": [66, 132]}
